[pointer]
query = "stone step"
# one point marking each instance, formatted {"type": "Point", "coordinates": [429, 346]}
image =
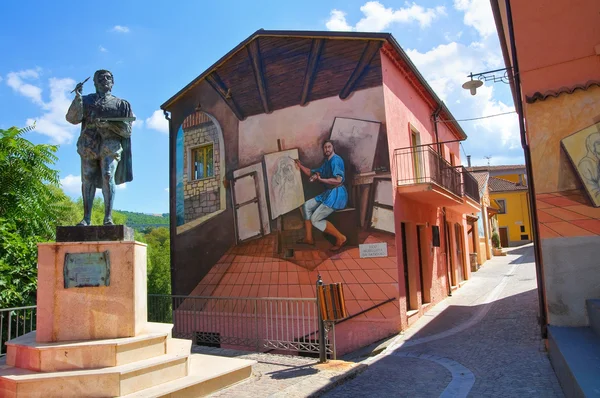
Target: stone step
{"type": "Point", "coordinates": [25, 352]}
{"type": "Point", "coordinates": [575, 356]}
{"type": "Point", "coordinates": [207, 374]}
{"type": "Point", "coordinates": [105, 382]}
{"type": "Point", "coordinates": [593, 310]}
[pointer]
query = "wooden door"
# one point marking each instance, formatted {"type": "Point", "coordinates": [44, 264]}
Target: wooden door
{"type": "Point", "coordinates": [405, 260]}
{"type": "Point", "coordinates": [449, 256]}
{"type": "Point", "coordinates": [420, 258]}
{"type": "Point", "coordinates": [458, 235]}
{"type": "Point", "coordinates": [503, 231]}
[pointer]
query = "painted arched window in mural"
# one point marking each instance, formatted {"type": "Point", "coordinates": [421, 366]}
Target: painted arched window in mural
{"type": "Point", "coordinates": [199, 159]}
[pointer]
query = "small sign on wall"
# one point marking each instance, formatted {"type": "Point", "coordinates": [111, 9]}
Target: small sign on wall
{"type": "Point", "coordinates": [368, 250]}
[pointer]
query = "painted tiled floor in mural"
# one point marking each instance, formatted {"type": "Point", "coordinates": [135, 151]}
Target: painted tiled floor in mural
{"type": "Point", "coordinates": [567, 214]}
{"type": "Point", "coordinates": [254, 269]}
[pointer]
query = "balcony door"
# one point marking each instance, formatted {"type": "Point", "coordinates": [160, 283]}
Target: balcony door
{"type": "Point", "coordinates": [415, 142]}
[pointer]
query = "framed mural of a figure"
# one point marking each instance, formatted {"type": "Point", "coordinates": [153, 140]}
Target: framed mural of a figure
{"type": "Point", "coordinates": [286, 191]}
{"type": "Point", "coordinates": [583, 150]}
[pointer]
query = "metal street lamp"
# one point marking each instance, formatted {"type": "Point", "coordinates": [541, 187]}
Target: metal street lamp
{"type": "Point", "coordinates": [490, 75]}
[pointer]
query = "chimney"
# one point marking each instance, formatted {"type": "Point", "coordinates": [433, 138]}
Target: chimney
{"type": "Point", "coordinates": [469, 160]}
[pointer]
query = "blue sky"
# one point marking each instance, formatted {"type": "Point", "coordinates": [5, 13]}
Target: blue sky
{"type": "Point", "coordinates": [156, 48]}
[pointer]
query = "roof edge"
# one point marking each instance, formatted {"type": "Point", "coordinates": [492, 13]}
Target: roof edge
{"type": "Point", "coordinates": [324, 34]}
{"type": "Point", "coordinates": [276, 33]}
{"type": "Point", "coordinates": [503, 44]}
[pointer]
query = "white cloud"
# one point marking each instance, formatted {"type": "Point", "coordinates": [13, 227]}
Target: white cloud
{"type": "Point", "coordinates": [122, 186]}
{"type": "Point", "coordinates": [120, 29]}
{"type": "Point", "coordinates": [446, 66]}
{"type": "Point", "coordinates": [15, 80]}
{"type": "Point", "coordinates": [158, 122]}
{"type": "Point", "coordinates": [166, 189]}
{"type": "Point", "coordinates": [102, 49]}
{"type": "Point", "coordinates": [378, 18]}
{"type": "Point", "coordinates": [337, 21]}
{"type": "Point", "coordinates": [71, 184]}
{"type": "Point", "coordinates": [52, 121]}
{"type": "Point", "coordinates": [138, 123]}
{"type": "Point", "coordinates": [478, 14]}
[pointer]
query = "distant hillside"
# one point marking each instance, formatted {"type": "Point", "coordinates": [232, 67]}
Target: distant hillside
{"type": "Point", "coordinates": [142, 220]}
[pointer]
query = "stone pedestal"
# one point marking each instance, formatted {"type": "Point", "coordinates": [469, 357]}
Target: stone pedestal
{"type": "Point", "coordinates": [87, 313]}
{"type": "Point", "coordinates": [93, 338]}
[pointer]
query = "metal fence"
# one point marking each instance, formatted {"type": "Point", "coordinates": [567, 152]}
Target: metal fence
{"type": "Point", "coordinates": [260, 324]}
{"type": "Point", "coordinates": [15, 322]}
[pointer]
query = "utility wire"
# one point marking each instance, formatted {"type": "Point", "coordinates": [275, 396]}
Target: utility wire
{"type": "Point", "coordinates": [475, 118]}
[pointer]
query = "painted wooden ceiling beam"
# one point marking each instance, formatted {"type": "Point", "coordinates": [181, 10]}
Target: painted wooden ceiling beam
{"type": "Point", "coordinates": [371, 49]}
{"type": "Point", "coordinates": [215, 81]}
{"type": "Point", "coordinates": [259, 77]}
{"type": "Point", "coordinates": [311, 69]}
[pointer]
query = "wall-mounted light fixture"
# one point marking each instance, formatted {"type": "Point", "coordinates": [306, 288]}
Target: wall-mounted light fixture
{"type": "Point", "coordinates": [490, 75]}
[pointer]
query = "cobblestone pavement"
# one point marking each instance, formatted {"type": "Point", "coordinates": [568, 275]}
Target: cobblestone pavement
{"type": "Point", "coordinates": [283, 375]}
{"type": "Point", "coordinates": [482, 342]}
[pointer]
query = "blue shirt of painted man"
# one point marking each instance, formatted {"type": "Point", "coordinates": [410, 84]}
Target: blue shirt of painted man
{"type": "Point", "coordinates": [337, 197]}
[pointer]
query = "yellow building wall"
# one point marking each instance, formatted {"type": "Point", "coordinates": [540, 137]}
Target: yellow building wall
{"type": "Point", "coordinates": [517, 214]}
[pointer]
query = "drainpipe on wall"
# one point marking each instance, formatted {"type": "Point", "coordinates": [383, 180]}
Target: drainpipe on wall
{"type": "Point", "coordinates": [533, 206]}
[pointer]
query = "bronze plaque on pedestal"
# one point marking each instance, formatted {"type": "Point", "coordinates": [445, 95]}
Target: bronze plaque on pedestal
{"type": "Point", "coordinates": [87, 269]}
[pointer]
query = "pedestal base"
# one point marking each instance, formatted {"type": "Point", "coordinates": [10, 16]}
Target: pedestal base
{"type": "Point", "coordinates": [87, 313]}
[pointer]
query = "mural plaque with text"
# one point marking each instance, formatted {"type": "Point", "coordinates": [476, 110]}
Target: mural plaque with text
{"type": "Point", "coordinates": [87, 269]}
{"type": "Point", "coordinates": [368, 250]}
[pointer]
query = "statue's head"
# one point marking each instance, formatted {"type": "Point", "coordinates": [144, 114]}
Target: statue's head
{"type": "Point", "coordinates": [103, 81]}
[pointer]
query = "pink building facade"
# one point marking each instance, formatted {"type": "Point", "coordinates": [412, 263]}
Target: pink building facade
{"type": "Point", "coordinates": [237, 197]}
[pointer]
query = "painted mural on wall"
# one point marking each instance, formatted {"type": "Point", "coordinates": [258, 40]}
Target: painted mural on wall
{"type": "Point", "coordinates": [583, 149]}
{"type": "Point", "coordinates": [286, 192]}
{"type": "Point", "coordinates": [198, 164]}
{"type": "Point", "coordinates": [323, 195]}
{"type": "Point", "coordinates": [564, 162]}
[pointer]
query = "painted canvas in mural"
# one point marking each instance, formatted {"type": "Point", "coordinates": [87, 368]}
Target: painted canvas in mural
{"type": "Point", "coordinates": [583, 149]}
{"type": "Point", "coordinates": [286, 191]}
{"type": "Point", "coordinates": [359, 137]}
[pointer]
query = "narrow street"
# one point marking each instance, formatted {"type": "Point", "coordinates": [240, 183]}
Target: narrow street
{"type": "Point", "coordinates": [483, 341]}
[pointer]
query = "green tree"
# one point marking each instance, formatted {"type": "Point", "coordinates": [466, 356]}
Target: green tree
{"type": "Point", "coordinates": [26, 178]}
{"type": "Point", "coordinates": [159, 261]}
{"type": "Point", "coordinates": [29, 207]}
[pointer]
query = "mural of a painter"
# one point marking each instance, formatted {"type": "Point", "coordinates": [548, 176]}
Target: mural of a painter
{"type": "Point", "coordinates": [316, 210]}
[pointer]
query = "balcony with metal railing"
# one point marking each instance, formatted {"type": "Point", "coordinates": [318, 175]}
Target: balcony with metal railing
{"type": "Point", "coordinates": [470, 192]}
{"type": "Point", "coordinates": [424, 175]}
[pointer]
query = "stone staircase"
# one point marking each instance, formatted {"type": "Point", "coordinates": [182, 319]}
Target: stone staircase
{"type": "Point", "coordinates": [151, 364]}
{"type": "Point", "coordinates": [575, 354]}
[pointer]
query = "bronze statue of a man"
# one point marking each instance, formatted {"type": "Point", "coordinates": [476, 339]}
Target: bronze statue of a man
{"type": "Point", "coordinates": [104, 143]}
